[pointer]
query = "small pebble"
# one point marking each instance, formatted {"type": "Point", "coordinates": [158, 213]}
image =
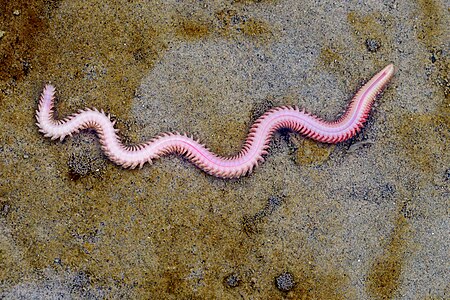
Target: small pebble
{"type": "Point", "coordinates": [2, 33]}
{"type": "Point", "coordinates": [16, 12]}
{"type": "Point", "coordinates": [274, 202]}
{"type": "Point", "coordinates": [372, 45]}
{"type": "Point", "coordinates": [4, 207]}
{"type": "Point", "coordinates": [285, 282]}
{"type": "Point", "coordinates": [433, 58]}
{"type": "Point", "coordinates": [232, 280]}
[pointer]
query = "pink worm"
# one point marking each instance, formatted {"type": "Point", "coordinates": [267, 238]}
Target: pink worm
{"type": "Point", "coordinates": [255, 146]}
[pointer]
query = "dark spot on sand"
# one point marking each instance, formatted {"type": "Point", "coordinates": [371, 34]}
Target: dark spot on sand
{"type": "Point", "coordinates": [372, 45]}
{"type": "Point", "coordinates": [5, 207]}
{"type": "Point", "coordinates": [232, 280]}
{"type": "Point", "coordinates": [250, 223]}
{"type": "Point", "coordinates": [285, 282]}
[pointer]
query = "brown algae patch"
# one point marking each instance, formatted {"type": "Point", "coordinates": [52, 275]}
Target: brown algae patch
{"type": "Point", "coordinates": [331, 58]}
{"type": "Point", "coordinates": [371, 27]}
{"type": "Point", "coordinates": [432, 23]}
{"type": "Point", "coordinates": [313, 281]}
{"type": "Point", "coordinates": [256, 28]}
{"type": "Point", "coordinates": [309, 152]}
{"type": "Point", "coordinates": [21, 23]}
{"type": "Point", "coordinates": [11, 259]}
{"type": "Point", "coordinates": [226, 142]}
{"type": "Point", "coordinates": [423, 138]}
{"type": "Point", "coordinates": [145, 238]}
{"type": "Point", "coordinates": [439, 72]}
{"type": "Point", "coordinates": [373, 33]}
{"type": "Point", "coordinates": [384, 277]}
{"type": "Point", "coordinates": [250, 222]}
{"type": "Point", "coordinates": [255, 1]}
{"type": "Point", "coordinates": [432, 32]}
{"type": "Point", "coordinates": [189, 29]}
{"type": "Point", "coordinates": [106, 53]}
{"type": "Point", "coordinates": [141, 233]}
{"type": "Point", "coordinates": [233, 23]}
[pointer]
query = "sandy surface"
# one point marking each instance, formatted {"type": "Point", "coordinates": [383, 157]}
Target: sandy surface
{"type": "Point", "coordinates": [364, 219]}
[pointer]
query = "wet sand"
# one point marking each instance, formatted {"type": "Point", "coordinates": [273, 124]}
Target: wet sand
{"type": "Point", "coordinates": [363, 219]}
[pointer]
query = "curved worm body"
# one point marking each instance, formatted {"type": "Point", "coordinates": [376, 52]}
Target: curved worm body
{"type": "Point", "coordinates": [255, 146]}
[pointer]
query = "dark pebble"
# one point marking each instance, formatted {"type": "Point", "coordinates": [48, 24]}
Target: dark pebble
{"type": "Point", "coordinates": [232, 280]}
{"type": "Point", "coordinates": [372, 45]}
{"type": "Point", "coordinates": [285, 282]}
